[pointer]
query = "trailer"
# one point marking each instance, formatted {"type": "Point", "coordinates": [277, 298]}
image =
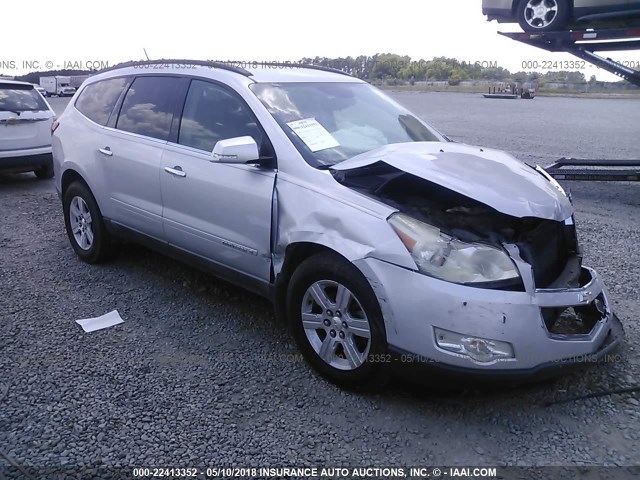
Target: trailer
{"type": "Point", "coordinates": [583, 44]}
{"type": "Point", "coordinates": [595, 170]}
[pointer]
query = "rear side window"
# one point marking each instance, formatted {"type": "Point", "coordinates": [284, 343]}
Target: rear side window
{"type": "Point", "coordinates": [97, 100]}
{"type": "Point", "coordinates": [148, 107]}
{"type": "Point", "coordinates": [20, 98]}
{"type": "Point", "coordinates": [211, 113]}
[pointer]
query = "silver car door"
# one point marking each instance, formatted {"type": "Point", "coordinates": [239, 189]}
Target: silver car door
{"type": "Point", "coordinates": [132, 152]}
{"type": "Point", "coordinates": [218, 211]}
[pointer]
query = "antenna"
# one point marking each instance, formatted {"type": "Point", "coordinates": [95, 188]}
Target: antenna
{"type": "Point", "coordinates": [145, 53]}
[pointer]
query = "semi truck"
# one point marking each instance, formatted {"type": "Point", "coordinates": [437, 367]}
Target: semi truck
{"type": "Point", "coordinates": [57, 85]}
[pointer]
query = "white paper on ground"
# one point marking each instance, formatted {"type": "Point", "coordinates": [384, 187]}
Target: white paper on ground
{"type": "Point", "coordinates": [107, 320]}
{"type": "Point", "coordinates": [313, 134]}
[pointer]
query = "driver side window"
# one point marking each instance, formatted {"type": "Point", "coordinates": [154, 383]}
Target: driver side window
{"type": "Point", "coordinates": [212, 113]}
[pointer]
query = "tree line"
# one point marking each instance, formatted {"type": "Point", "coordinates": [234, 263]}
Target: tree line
{"type": "Point", "coordinates": [393, 69]}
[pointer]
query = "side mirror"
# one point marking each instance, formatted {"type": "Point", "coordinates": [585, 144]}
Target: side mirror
{"type": "Point", "coordinates": [235, 150]}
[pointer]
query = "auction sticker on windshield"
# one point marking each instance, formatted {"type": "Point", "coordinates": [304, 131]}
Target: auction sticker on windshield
{"type": "Point", "coordinates": [314, 135]}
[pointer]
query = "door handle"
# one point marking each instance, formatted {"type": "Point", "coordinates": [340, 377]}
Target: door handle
{"type": "Point", "coordinates": [177, 171]}
{"type": "Point", "coordinates": [106, 151]}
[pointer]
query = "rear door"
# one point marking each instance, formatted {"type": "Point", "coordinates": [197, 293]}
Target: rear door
{"type": "Point", "coordinates": [25, 119]}
{"type": "Point", "coordinates": [132, 151]}
{"type": "Point", "coordinates": [219, 211]}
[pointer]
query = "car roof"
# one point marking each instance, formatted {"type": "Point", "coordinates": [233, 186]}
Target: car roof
{"type": "Point", "coordinates": [282, 73]}
{"type": "Point", "coordinates": [15, 82]}
{"type": "Point", "coordinates": [254, 72]}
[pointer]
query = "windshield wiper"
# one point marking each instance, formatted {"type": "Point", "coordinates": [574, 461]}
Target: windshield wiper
{"type": "Point", "coordinates": [9, 110]}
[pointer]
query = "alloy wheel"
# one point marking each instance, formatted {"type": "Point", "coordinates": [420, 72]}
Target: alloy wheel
{"type": "Point", "coordinates": [81, 223]}
{"type": "Point", "coordinates": [540, 13]}
{"type": "Point", "coordinates": [336, 325]}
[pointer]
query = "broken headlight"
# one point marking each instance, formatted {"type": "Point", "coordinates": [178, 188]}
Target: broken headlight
{"type": "Point", "coordinates": [445, 257]}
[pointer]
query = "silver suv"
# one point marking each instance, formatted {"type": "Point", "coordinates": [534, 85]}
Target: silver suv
{"type": "Point", "coordinates": [379, 241]}
{"type": "Point", "coordinates": [25, 129]}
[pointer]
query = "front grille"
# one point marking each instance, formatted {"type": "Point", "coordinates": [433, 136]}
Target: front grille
{"type": "Point", "coordinates": [547, 248]}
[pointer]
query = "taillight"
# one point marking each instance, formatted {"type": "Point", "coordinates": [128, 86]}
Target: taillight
{"type": "Point", "coordinates": [54, 125]}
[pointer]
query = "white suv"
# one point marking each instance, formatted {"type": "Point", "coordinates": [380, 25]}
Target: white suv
{"type": "Point", "coordinates": [380, 242]}
{"type": "Point", "coordinates": [25, 129]}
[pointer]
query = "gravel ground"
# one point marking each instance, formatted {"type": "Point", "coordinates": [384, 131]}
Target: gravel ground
{"type": "Point", "coordinates": [200, 373]}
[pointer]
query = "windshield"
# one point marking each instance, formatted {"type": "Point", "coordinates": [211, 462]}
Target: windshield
{"type": "Point", "coordinates": [20, 98]}
{"type": "Point", "coordinates": [331, 122]}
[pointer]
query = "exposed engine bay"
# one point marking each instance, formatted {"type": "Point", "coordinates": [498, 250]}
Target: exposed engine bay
{"type": "Point", "coordinates": [549, 246]}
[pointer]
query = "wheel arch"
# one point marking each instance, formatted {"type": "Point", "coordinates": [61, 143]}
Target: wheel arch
{"type": "Point", "coordinates": [73, 173]}
{"type": "Point", "coordinates": [68, 177]}
{"type": "Point", "coordinates": [294, 255]}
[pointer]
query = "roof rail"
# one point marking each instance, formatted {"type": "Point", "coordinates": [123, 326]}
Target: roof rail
{"type": "Point", "coordinates": [232, 66]}
{"type": "Point", "coordinates": [172, 61]}
{"type": "Point", "coordinates": [310, 66]}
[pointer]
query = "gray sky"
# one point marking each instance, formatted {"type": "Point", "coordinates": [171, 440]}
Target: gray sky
{"type": "Point", "coordinates": [280, 30]}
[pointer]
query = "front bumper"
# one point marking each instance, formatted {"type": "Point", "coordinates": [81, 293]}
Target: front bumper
{"type": "Point", "coordinates": [414, 305]}
{"type": "Point", "coordinates": [423, 370]}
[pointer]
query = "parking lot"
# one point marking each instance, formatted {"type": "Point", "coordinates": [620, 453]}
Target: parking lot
{"type": "Point", "coordinates": [200, 372]}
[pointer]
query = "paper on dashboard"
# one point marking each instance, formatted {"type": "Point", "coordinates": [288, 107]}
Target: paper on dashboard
{"type": "Point", "coordinates": [313, 134]}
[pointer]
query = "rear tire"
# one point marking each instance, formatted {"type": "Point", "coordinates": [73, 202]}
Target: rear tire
{"type": "Point", "coordinates": [44, 172]}
{"type": "Point", "coordinates": [343, 335]}
{"type": "Point", "coordinates": [543, 15]}
{"type": "Point", "coordinates": [87, 233]}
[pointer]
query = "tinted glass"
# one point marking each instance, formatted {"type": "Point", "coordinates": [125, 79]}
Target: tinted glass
{"type": "Point", "coordinates": [148, 107]}
{"type": "Point", "coordinates": [212, 113]}
{"type": "Point", "coordinates": [20, 98]}
{"type": "Point", "coordinates": [97, 100]}
{"type": "Point", "coordinates": [330, 122]}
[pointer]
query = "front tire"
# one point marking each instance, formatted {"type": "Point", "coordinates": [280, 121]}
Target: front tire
{"type": "Point", "coordinates": [542, 15]}
{"type": "Point", "coordinates": [85, 226]}
{"type": "Point", "coordinates": [337, 323]}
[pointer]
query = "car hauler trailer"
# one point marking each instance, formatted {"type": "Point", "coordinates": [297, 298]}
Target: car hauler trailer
{"type": "Point", "coordinates": [584, 44]}
{"type": "Point", "coordinates": [596, 170]}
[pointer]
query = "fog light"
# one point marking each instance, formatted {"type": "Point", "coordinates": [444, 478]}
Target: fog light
{"type": "Point", "coordinates": [479, 349]}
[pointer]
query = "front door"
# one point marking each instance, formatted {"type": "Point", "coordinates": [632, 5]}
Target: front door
{"type": "Point", "coordinates": [221, 212]}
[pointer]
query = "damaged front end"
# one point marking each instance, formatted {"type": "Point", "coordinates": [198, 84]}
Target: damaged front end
{"type": "Point", "coordinates": [547, 245]}
{"type": "Point", "coordinates": [499, 283]}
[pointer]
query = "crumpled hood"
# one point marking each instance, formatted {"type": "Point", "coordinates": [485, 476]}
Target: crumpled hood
{"type": "Point", "coordinates": [491, 177]}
